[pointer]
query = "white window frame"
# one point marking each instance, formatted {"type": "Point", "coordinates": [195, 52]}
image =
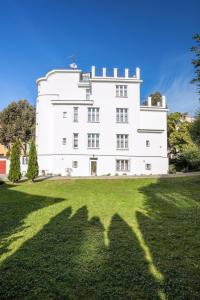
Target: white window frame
{"type": "Point", "coordinates": [75, 140]}
{"type": "Point", "coordinates": [93, 140]}
{"type": "Point", "coordinates": [148, 167]}
{"type": "Point", "coordinates": [121, 115]}
{"type": "Point", "coordinates": [87, 93]}
{"type": "Point", "coordinates": [75, 114]}
{"type": "Point", "coordinates": [64, 114]}
{"type": "Point", "coordinates": [64, 141]}
{"type": "Point", "coordinates": [122, 141]}
{"type": "Point", "coordinates": [122, 165]}
{"type": "Point", "coordinates": [74, 164]}
{"type": "Point", "coordinates": [148, 143]}
{"type": "Point", "coordinates": [93, 114]}
{"type": "Point", "coordinates": [121, 91]}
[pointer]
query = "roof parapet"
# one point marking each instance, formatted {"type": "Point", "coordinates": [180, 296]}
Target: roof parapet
{"type": "Point", "coordinates": [115, 73]}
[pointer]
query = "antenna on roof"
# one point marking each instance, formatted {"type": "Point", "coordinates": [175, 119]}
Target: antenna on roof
{"type": "Point", "coordinates": [73, 64]}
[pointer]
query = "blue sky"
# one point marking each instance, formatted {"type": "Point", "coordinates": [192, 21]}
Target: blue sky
{"type": "Point", "coordinates": [39, 35]}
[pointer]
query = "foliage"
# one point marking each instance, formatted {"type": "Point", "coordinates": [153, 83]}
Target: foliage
{"type": "Point", "coordinates": [17, 122]}
{"type": "Point", "coordinates": [101, 239]}
{"type": "Point", "coordinates": [178, 133]}
{"type": "Point", "coordinates": [195, 129]}
{"type": "Point", "coordinates": [172, 169]}
{"type": "Point", "coordinates": [156, 98]}
{"type": "Point", "coordinates": [189, 158]}
{"type": "Point", "coordinates": [32, 162]}
{"type": "Point", "coordinates": [196, 61]}
{"type": "Point", "coordinates": [14, 171]}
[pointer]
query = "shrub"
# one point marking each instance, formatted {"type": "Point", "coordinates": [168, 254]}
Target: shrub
{"type": "Point", "coordinates": [172, 169]}
{"type": "Point", "coordinates": [14, 171]}
{"type": "Point", "coordinates": [32, 172]}
{"type": "Point", "coordinates": [190, 158]}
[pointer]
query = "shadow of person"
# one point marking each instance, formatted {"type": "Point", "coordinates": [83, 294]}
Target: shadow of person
{"type": "Point", "coordinates": [172, 232]}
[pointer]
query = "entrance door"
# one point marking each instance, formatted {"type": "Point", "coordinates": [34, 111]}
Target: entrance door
{"type": "Point", "coordinates": [93, 167]}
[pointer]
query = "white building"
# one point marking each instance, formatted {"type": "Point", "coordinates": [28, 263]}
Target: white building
{"type": "Point", "coordinates": [94, 125]}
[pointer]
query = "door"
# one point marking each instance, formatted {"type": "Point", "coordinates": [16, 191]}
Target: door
{"type": "Point", "coordinates": [2, 167]}
{"type": "Point", "coordinates": [93, 167]}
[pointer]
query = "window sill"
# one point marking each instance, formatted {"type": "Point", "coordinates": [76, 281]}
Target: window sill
{"type": "Point", "coordinates": [93, 148]}
{"type": "Point", "coordinates": [121, 96]}
{"type": "Point", "coordinates": [93, 121]}
{"type": "Point", "coordinates": [122, 122]}
{"type": "Point", "coordinates": [122, 148]}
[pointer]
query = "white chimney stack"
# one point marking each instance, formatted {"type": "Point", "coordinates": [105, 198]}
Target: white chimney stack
{"type": "Point", "coordinates": [93, 71]}
{"type": "Point", "coordinates": [163, 101]}
{"type": "Point", "coordinates": [104, 72]}
{"type": "Point", "coordinates": [115, 72]}
{"type": "Point", "coordinates": [126, 72]}
{"type": "Point", "coordinates": [138, 73]}
{"type": "Point", "coordinates": [149, 101]}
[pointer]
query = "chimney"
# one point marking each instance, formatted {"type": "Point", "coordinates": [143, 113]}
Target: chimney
{"type": "Point", "coordinates": [93, 71]}
{"type": "Point", "coordinates": [104, 72]}
{"type": "Point", "coordinates": [115, 72]}
{"type": "Point", "coordinates": [138, 73]}
{"type": "Point", "coordinates": [126, 72]}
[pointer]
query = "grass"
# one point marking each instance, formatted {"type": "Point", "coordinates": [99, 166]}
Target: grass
{"type": "Point", "coordinates": [98, 239]}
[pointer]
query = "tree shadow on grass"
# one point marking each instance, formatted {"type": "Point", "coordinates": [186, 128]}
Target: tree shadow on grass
{"type": "Point", "coordinates": [172, 232]}
{"type": "Point", "coordinates": [15, 206]}
{"type": "Point", "coordinates": [68, 259]}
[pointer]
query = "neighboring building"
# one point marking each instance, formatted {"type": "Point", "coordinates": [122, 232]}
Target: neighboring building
{"type": "Point", "coordinates": [188, 118]}
{"type": "Point", "coordinates": [94, 125]}
{"type": "Point", "coordinates": [3, 150]}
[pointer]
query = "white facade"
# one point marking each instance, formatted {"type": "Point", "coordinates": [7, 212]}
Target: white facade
{"type": "Point", "coordinates": [94, 125]}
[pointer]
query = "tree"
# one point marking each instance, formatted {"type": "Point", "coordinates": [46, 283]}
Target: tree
{"type": "Point", "coordinates": [17, 122]}
{"type": "Point", "coordinates": [156, 98]}
{"type": "Point", "coordinates": [196, 61]}
{"type": "Point", "coordinates": [14, 171]}
{"type": "Point", "coordinates": [32, 162]}
{"type": "Point", "coordinates": [189, 158]}
{"type": "Point", "coordinates": [178, 134]}
{"type": "Point", "coordinates": [195, 129]}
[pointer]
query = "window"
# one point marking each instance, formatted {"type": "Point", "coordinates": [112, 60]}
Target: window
{"type": "Point", "coordinates": [88, 92]}
{"type": "Point", "coordinates": [93, 140]}
{"type": "Point", "coordinates": [122, 115]}
{"type": "Point", "coordinates": [64, 114]}
{"type": "Point", "coordinates": [64, 141]}
{"type": "Point", "coordinates": [75, 164]}
{"type": "Point", "coordinates": [147, 143]}
{"type": "Point", "coordinates": [122, 141]}
{"type": "Point", "coordinates": [93, 114]}
{"type": "Point", "coordinates": [75, 141]}
{"type": "Point", "coordinates": [75, 114]}
{"type": "Point", "coordinates": [148, 167]}
{"type": "Point", "coordinates": [122, 165]}
{"type": "Point", "coordinates": [121, 91]}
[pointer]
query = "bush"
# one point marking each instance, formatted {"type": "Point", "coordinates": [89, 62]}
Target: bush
{"type": "Point", "coordinates": [172, 169]}
{"type": "Point", "coordinates": [32, 172]}
{"type": "Point", "coordinates": [14, 171]}
{"type": "Point", "coordinates": [189, 159]}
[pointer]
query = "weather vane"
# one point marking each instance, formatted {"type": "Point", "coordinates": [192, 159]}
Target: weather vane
{"type": "Point", "coordinates": [73, 64]}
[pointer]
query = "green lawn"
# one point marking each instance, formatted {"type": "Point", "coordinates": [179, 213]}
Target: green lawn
{"type": "Point", "coordinates": [98, 239]}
